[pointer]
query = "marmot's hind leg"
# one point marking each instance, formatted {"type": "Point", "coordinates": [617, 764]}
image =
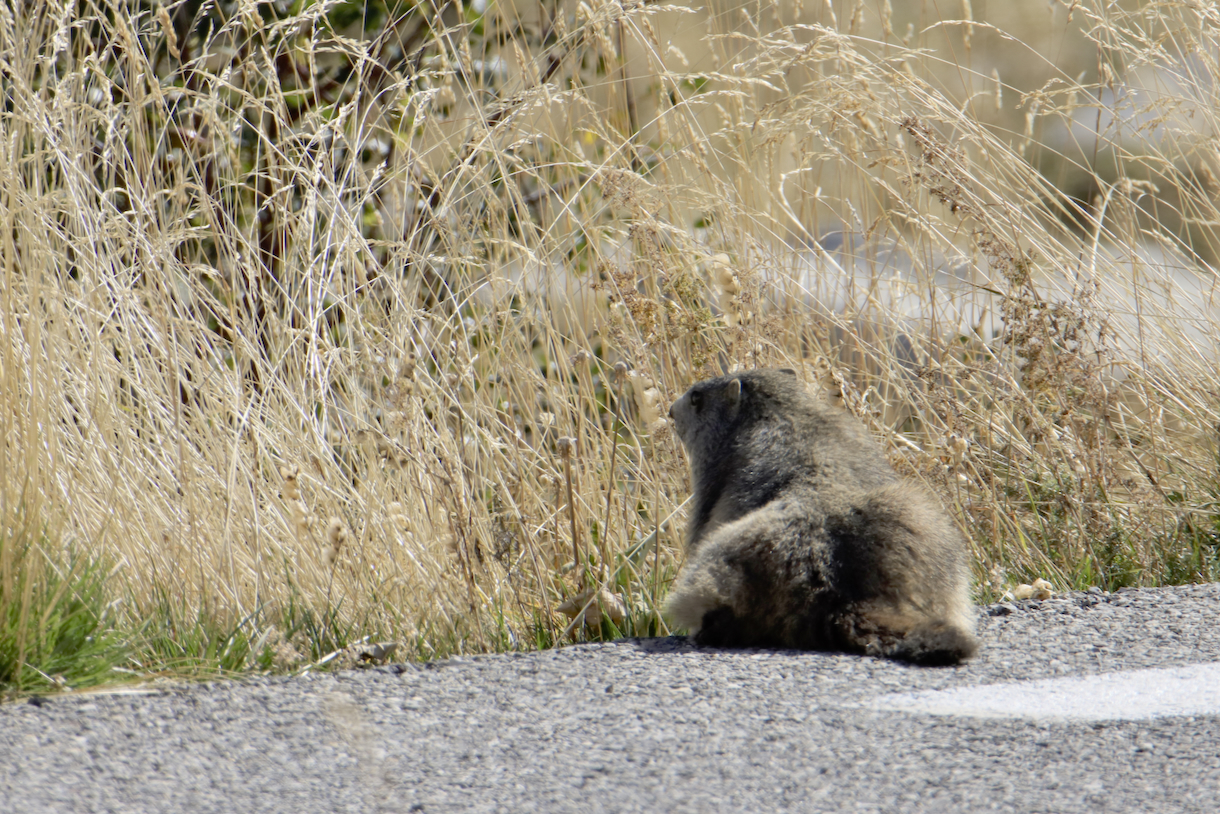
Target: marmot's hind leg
{"type": "Point", "coordinates": [711, 601]}
{"type": "Point", "coordinates": [732, 592]}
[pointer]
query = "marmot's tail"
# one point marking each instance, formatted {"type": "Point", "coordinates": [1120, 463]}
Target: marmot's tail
{"type": "Point", "coordinates": [935, 644]}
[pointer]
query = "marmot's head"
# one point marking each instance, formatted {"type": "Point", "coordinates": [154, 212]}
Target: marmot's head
{"type": "Point", "coordinates": [711, 413]}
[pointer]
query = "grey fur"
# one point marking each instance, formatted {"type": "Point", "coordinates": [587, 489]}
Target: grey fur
{"type": "Point", "coordinates": [802, 535]}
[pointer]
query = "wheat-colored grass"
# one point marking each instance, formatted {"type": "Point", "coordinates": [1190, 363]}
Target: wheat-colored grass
{"type": "Point", "coordinates": [371, 311]}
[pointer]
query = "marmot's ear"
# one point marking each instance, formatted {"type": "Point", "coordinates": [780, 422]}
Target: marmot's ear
{"type": "Point", "coordinates": [787, 370]}
{"type": "Point", "coordinates": [732, 396]}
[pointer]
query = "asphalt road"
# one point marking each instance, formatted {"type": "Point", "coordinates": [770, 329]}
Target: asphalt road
{"type": "Point", "coordinates": [659, 725]}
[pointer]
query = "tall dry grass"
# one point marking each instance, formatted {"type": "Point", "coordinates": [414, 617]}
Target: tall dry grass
{"type": "Point", "coordinates": [369, 316]}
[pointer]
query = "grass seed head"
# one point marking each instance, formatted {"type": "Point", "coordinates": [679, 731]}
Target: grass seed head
{"type": "Point", "coordinates": [398, 516]}
{"type": "Point", "coordinates": [291, 489]}
{"type": "Point", "coordinates": [956, 448]}
{"type": "Point", "coordinates": [647, 398]}
{"type": "Point", "coordinates": [336, 536]}
{"type": "Point", "coordinates": [302, 518]}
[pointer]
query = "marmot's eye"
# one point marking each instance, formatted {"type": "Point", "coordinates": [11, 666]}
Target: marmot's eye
{"type": "Point", "coordinates": [696, 400]}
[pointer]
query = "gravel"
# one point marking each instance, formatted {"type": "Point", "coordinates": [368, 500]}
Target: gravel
{"type": "Point", "coordinates": [645, 725]}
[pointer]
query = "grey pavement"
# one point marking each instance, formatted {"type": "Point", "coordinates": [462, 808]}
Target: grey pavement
{"type": "Point", "coordinates": [1083, 703]}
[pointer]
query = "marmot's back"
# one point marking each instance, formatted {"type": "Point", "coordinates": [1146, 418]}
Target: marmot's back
{"type": "Point", "coordinates": [803, 536]}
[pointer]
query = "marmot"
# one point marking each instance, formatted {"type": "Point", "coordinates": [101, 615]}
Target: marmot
{"type": "Point", "coordinates": [803, 536]}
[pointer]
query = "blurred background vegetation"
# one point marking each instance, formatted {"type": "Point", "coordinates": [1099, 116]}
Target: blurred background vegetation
{"type": "Point", "coordinates": [334, 324]}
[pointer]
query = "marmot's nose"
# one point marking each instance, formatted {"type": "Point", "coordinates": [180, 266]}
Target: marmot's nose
{"type": "Point", "coordinates": [671, 412]}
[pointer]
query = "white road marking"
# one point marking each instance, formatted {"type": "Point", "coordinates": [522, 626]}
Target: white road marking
{"type": "Point", "coordinates": [1131, 695]}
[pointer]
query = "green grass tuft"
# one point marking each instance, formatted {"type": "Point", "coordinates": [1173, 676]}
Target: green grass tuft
{"type": "Point", "coordinates": [57, 626]}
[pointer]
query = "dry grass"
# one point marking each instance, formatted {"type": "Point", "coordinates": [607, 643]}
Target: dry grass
{"type": "Point", "coordinates": [354, 325]}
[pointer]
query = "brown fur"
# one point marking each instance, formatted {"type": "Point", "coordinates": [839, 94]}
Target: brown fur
{"type": "Point", "coordinates": [803, 536]}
